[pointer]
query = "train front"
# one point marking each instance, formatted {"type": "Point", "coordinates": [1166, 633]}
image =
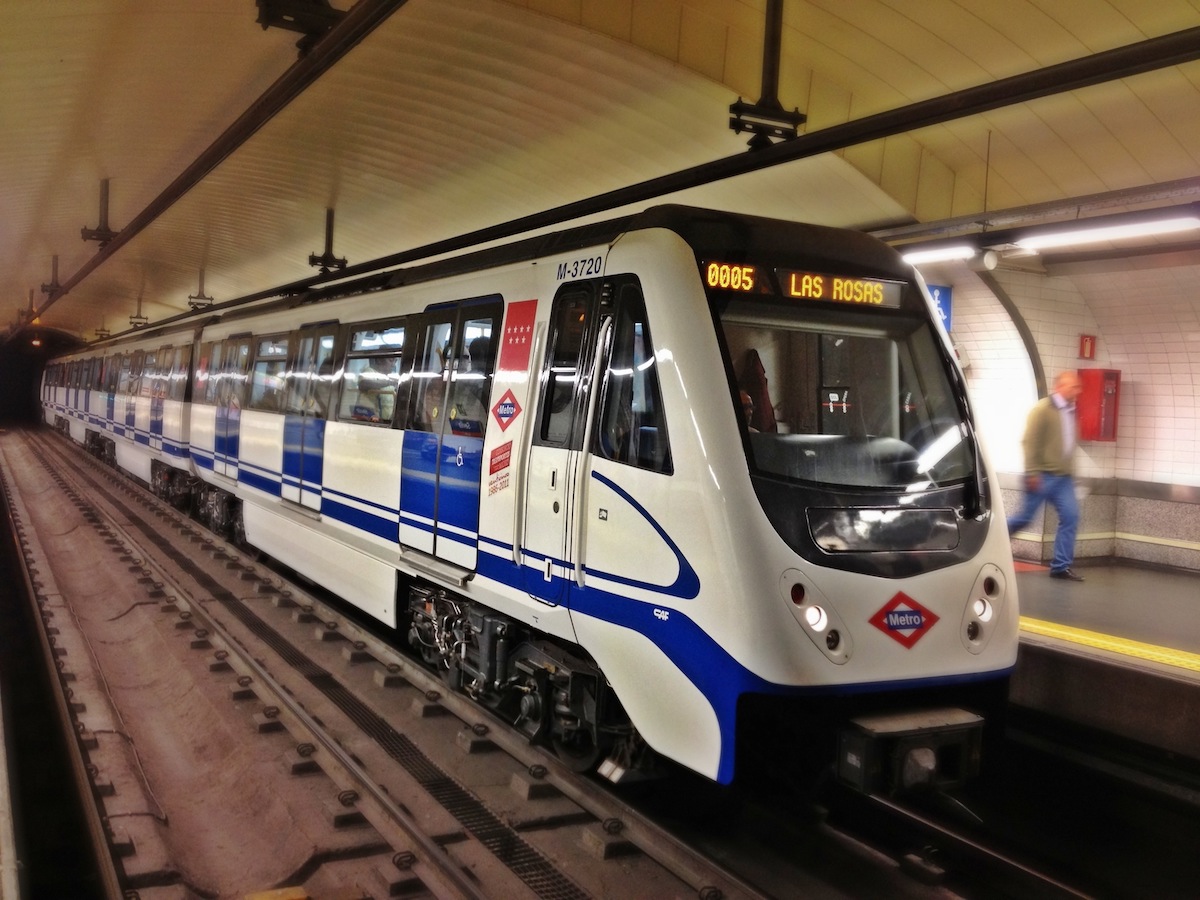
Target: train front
{"type": "Point", "coordinates": [874, 528]}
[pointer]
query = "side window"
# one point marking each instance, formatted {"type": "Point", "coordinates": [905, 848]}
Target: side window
{"type": "Point", "coordinates": [215, 377]}
{"type": "Point", "coordinates": [136, 367]}
{"type": "Point", "coordinates": [125, 377]}
{"type": "Point", "coordinates": [204, 382]}
{"type": "Point", "coordinates": [371, 378]}
{"type": "Point", "coordinates": [149, 380]}
{"type": "Point", "coordinates": [267, 385]}
{"type": "Point", "coordinates": [166, 363]}
{"type": "Point", "coordinates": [177, 390]}
{"type": "Point", "coordinates": [112, 370]}
{"type": "Point", "coordinates": [226, 373]}
{"type": "Point", "coordinates": [570, 326]}
{"type": "Point", "coordinates": [234, 372]}
{"type": "Point", "coordinates": [632, 428]}
{"type": "Point", "coordinates": [311, 379]}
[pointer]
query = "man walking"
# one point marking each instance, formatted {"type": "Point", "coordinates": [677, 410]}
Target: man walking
{"type": "Point", "coordinates": [1049, 445]}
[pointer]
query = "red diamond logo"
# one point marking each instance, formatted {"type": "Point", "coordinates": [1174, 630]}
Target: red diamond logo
{"type": "Point", "coordinates": [506, 409]}
{"type": "Point", "coordinates": [904, 620]}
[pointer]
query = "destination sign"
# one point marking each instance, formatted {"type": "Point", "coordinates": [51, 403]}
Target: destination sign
{"type": "Point", "coordinates": [839, 288]}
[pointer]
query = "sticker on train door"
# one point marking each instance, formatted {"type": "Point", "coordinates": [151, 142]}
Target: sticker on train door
{"type": "Point", "coordinates": [517, 342]}
{"type": "Point", "coordinates": [506, 410]}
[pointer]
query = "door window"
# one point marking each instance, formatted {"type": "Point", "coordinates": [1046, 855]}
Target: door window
{"type": "Point", "coordinates": [632, 428]}
{"type": "Point", "coordinates": [267, 381]}
{"type": "Point", "coordinates": [311, 380]}
{"type": "Point", "coordinates": [427, 406]}
{"type": "Point", "coordinates": [561, 418]}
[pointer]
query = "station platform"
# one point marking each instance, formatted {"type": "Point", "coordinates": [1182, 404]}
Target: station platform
{"type": "Point", "coordinates": [1118, 652]}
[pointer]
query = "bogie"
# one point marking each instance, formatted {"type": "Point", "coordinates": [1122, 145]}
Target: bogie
{"type": "Point", "coordinates": [547, 691]}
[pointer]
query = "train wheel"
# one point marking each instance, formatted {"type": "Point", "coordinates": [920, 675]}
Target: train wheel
{"type": "Point", "coordinates": [578, 750]}
{"type": "Point", "coordinates": [160, 481]}
{"type": "Point", "coordinates": [237, 526]}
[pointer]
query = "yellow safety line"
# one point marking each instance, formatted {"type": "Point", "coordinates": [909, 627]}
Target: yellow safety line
{"type": "Point", "coordinates": [1149, 652]}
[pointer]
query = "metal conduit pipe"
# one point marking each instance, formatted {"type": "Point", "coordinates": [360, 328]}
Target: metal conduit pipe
{"type": "Point", "coordinates": [358, 22]}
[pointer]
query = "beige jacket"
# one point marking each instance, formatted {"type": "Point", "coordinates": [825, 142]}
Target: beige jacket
{"type": "Point", "coordinates": [1043, 441]}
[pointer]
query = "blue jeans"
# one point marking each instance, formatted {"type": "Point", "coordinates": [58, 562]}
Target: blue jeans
{"type": "Point", "coordinates": [1059, 492]}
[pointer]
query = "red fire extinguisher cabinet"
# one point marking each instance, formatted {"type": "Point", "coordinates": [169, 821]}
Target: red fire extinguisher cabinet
{"type": "Point", "coordinates": [1097, 405]}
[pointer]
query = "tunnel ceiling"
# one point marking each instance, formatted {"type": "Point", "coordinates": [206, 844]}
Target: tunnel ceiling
{"type": "Point", "coordinates": [447, 116]}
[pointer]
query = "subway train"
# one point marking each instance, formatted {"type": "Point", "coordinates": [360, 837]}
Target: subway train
{"type": "Point", "coordinates": [633, 485]}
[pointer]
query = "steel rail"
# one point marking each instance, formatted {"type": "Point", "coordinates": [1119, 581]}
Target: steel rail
{"type": "Point", "coordinates": [106, 868]}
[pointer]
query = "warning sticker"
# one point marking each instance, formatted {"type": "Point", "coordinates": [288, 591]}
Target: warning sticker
{"type": "Point", "coordinates": [501, 458]}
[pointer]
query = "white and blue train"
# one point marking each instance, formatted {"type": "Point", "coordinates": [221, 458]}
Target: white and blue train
{"type": "Point", "coordinates": [629, 484]}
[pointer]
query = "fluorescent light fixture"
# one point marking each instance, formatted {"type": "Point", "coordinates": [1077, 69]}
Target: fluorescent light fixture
{"type": "Point", "coordinates": [939, 254]}
{"type": "Point", "coordinates": [1109, 233]}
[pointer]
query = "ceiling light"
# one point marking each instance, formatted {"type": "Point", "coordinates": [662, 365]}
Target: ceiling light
{"type": "Point", "coordinates": [1109, 233]}
{"type": "Point", "coordinates": [939, 254]}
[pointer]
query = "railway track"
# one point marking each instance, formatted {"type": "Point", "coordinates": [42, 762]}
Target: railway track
{"type": "Point", "coordinates": [195, 676]}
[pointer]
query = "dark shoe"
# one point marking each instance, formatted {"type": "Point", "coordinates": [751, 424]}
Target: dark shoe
{"type": "Point", "coordinates": [1068, 574]}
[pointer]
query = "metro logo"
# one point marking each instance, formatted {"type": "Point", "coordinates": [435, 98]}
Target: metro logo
{"type": "Point", "coordinates": [904, 619]}
{"type": "Point", "coordinates": [506, 409]}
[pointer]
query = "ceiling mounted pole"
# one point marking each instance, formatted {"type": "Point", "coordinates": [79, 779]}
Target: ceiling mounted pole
{"type": "Point", "coordinates": [102, 234]}
{"type": "Point", "coordinates": [327, 262]}
{"type": "Point", "coordinates": [53, 285]}
{"type": "Point", "coordinates": [767, 118]}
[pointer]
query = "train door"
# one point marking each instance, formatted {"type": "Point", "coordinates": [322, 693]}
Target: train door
{"type": "Point", "coordinates": [153, 387]}
{"type": "Point", "coordinates": [442, 459]}
{"type": "Point", "coordinates": [73, 385]}
{"type": "Point", "coordinates": [231, 361]}
{"type": "Point", "coordinates": [558, 441]}
{"type": "Point", "coordinates": [175, 388]}
{"type": "Point", "coordinates": [126, 409]}
{"type": "Point", "coordinates": [79, 406]}
{"type": "Point", "coordinates": [624, 499]}
{"type": "Point", "coordinates": [309, 388]}
{"type": "Point", "coordinates": [93, 410]}
{"type": "Point", "coordinates": [112, 374]}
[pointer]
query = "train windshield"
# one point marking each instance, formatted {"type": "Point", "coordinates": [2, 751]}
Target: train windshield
{"type": "Point", "coordinates": [844, 397]}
